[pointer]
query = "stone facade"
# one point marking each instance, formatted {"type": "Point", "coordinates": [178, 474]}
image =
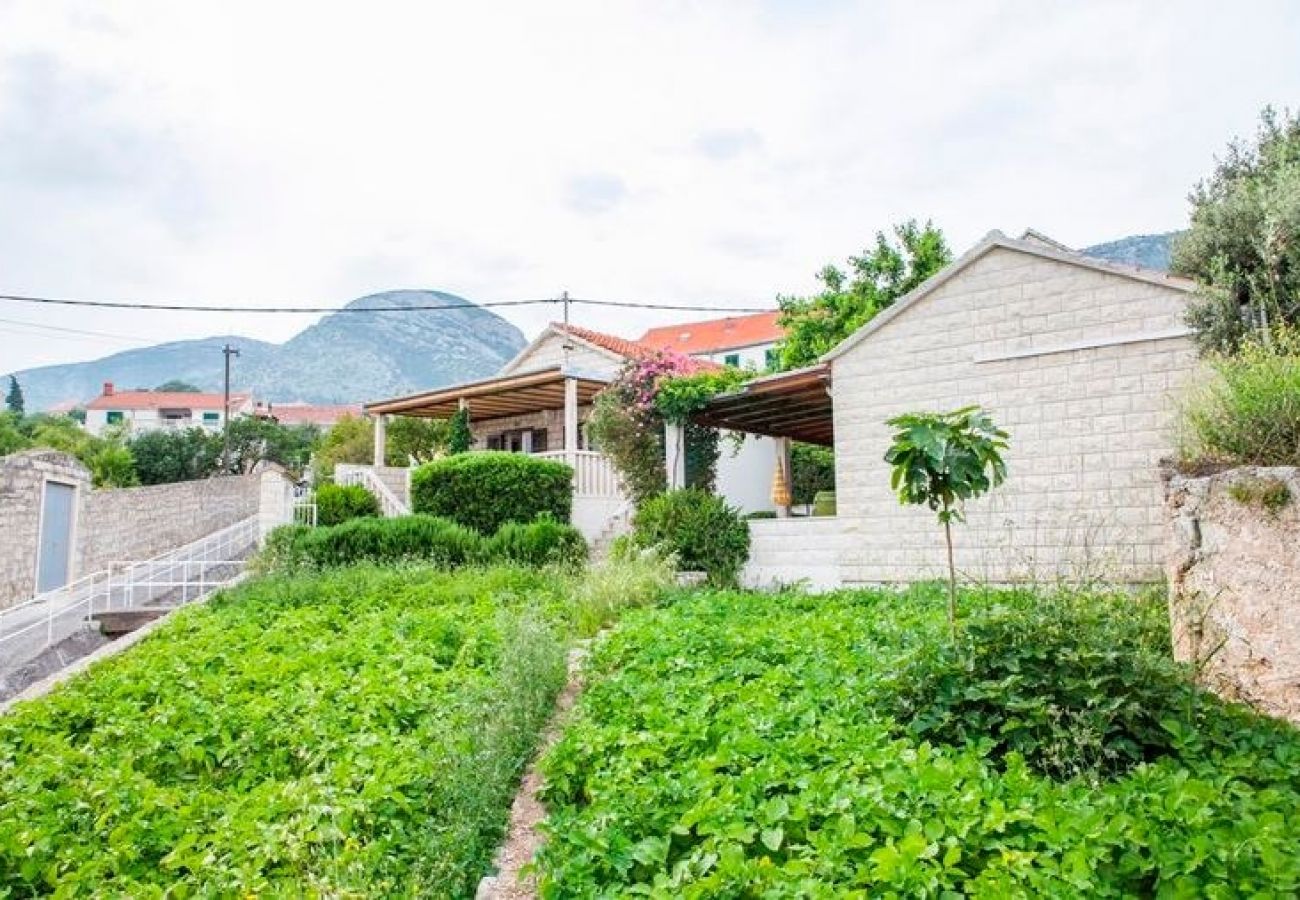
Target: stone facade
{"type": "Point", "coordinates": [110, 525]}
{"type": "Point", "coordinates": [794, 551]}
{"type": "Point", "coordinates": [1234, 578]}
{"type": "Point", "coordinates": [1082, 365]}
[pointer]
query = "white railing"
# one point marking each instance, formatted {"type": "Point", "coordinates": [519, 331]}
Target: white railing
{"type": "Point", "coordinates": [184, 574]}
{"type": "Point", "coordinates": [593, 473]}
{"type": "Point", "coordinates": [366, 477]}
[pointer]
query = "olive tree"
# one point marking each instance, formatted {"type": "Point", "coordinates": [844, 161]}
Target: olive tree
{"type": "Point", "coordinates": [941, 460]}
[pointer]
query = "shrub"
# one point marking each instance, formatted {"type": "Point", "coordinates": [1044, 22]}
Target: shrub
{"type": "Point", "coordinates": [407, 538]}
{"type": "Point", "coordinates": [337, 503]}
{"type": "Point", "coordinates": [485, 490]}
{"type": "Point", "coordinates": [540, 543]}
{"type": "Point", "coordinates": [1249, 412]}
{"type": "Point", "coordinates": [1076, 685]}
{"type": "Point", "coordinates": [812, 470]}
{"type": "Point", "coordinates": [699, 529]}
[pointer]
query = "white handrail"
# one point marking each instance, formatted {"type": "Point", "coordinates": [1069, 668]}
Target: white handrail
{"type": "Point", "coordinates": [367, 478]}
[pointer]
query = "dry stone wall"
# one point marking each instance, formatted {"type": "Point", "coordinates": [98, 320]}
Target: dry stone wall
{"type": "Point", "coordinates": [1234, 580]}
{"type": "Point", "coordinates": [22, 479]}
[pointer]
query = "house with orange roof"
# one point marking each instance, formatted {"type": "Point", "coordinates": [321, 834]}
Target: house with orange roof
{"type": "Point", "coordinates": [141, 411]}
{"type": "Point", "coordinates": [747, 342]}
{"type": "Point", "coordinates": [322, 416]}
{"type": "Point", "coordinates": [540, 401]}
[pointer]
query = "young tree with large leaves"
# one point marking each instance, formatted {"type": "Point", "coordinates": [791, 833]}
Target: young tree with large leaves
{"type": "Point", "coordinates": [1244, 242]}
{"type": "Point", "coordinates": [941, 460]}
{"type": "Point", "coordinates": [874, 280]}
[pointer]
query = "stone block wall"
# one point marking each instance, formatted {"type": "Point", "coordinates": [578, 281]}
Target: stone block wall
{"type": "Point", "coordinates": [1234, 578]}
{"type": "Point", "coordinates": [22, 479]}
{"type": "Point", "coordinates": [109, 525]}
{"type": "Point", "coordinates": [1084, 368]}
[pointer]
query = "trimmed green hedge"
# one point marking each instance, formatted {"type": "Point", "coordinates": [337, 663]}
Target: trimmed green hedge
{"type": "Point", "coordinates": [420, 538]}
{"type": "Point", "coordinates": [486, 490]}
{"type": "Point", "coordinates": [339, 503]}
{"type": "Point", "coordinates": [699, 528]}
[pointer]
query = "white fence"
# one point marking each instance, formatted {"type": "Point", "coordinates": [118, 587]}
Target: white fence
{"type": "Point", "coordinates": [593, 474]}
{"type": "Point", "coordinates": [182, 575]}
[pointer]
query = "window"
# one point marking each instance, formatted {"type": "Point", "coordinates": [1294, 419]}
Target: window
{"type": "Point", "coordinates": [114, 417]}
{"type": "Point", "coordinates": [732, 359]}
{"type": "Point", "coordinates": [211, 418]}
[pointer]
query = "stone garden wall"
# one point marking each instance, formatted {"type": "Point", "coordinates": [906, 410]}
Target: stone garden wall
{"type": "Point", "coordinates": [1234, 578]}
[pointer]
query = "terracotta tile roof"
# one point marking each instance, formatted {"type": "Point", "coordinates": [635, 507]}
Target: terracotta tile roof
{"type": "Point", "coordinates": [164, 400]}
{"type": "Point", "coordinates": [309, 414]}
{"type": "Point", "coordinates": [716, 334]}
{"type": "Point", "coordinates": [627, 348]}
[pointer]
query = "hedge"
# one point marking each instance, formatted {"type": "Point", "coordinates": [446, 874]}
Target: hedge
{"type": "Point", "coordinates": [486, 490]}
{"type": "Point", "coordinates": [338, 503]}
{"type": "Point", "coordinates": [699, 528]}
{"type": "Point", "coordinates": [420, 538]}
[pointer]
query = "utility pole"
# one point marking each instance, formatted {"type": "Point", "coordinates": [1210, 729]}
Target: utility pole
{"type": "Point", "coordinates": [227, 351]}
{"type": "Point", "coordinates": [568, 344]}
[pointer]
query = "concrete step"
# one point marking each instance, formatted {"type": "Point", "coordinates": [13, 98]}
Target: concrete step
{"type": "Point", "coordinates": [115, 622]}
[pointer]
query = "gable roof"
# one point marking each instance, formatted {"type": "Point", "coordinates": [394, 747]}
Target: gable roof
{"type": "Point", "coordinates": [164, 400]}
{"type": "Point", "coordinates": [713, 335]}
{"type": "Point", "coordinates": [1033, 243]}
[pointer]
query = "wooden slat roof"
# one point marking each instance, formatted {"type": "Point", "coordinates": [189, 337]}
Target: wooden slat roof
{"type": "Point", "coordinates": [508, 395]}
{"type": "Point", "coordinates": [794, 404]}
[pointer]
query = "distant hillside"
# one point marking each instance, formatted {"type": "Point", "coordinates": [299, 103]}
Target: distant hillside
{"type": "Point", "coordinates": [1150, 251]}
{"type": "Point", "coordinates": [343, 358]}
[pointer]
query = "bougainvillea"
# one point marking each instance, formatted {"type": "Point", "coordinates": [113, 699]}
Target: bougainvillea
{"type": "Point", "coordinates": [627, 421]}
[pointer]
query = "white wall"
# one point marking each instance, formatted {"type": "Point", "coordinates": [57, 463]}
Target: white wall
{"type": "Point", "coordinates": [1088, 425]}
{"type": "Point", "coordinates": [745, 479]}
{"type": "Point", "coordinates": [754, 357]}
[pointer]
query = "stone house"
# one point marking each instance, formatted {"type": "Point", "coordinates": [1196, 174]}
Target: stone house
{"type": "Point", "coordinates": [1082, 361]}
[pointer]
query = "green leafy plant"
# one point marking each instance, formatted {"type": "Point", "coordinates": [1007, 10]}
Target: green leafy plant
{"type": "Point", "coordinates": [941, 460]}
{"type": "Point", "coordinates": [538, 543]}
{"type": "Point", "coordinates": [417, 538]}
{"type": "Point", "coordinates": [812, 470]}
{"type": "Point", "coordinates": [629, 578]}
{"type": "Point", "coordinates": [754, 745]}
{"type": "Point", "coordinates": [485, 490]}
{"type": "Point", "coordinates": [1248, 411]}
{"type": "Point", "coordinates": [698, 529]}
{"type": "Point", "coordinates": [337, 503]}
{"type": "Point", "coordinates": [459, 438]}
{"type": "Point", "coordinates": [357, 732]}
{"type": "Point", "coordinates": [166, 456]}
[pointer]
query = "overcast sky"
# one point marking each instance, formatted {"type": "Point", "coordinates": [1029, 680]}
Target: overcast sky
{"type": "Point", "coordinates": [713, 152]}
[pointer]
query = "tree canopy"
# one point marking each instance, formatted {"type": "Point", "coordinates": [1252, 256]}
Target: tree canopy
{"type": "Point", "coordinates": [14, 399]}
{"type": "Point", "coordinates": [1244, 242]}
{"type": "Point", "coordinates": [883, 273]}
{"type": "Point", "coordinates": [176, 386]}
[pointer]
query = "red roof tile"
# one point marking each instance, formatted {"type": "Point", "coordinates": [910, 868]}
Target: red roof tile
{"type": "Point", "coordinates": [716, 334]}
{"type": "Point", "coordinates": [163, 400]}
{"type": "Point", "coordinates": [627, 348]}
{"type": "Point", "coordinates": [309, 414]}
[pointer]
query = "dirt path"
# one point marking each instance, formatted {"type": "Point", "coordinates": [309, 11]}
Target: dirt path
{"type": "Point", "coordinates": [523, 837]}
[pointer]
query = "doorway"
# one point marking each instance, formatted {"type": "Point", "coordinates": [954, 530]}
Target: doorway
{"type": "Point", "coordinates": [54, 553]}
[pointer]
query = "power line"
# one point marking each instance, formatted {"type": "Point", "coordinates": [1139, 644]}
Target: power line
{"type": "Point", "coordinates": [176, 307]}
{"type": "Point", "coordinates": [103, 334]}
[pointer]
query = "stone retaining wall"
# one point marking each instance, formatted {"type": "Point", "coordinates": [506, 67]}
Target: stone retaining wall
{"type": "Point", "coordinates": [1234, 578]}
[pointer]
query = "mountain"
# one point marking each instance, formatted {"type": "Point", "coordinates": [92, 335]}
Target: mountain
{"type": "Point", "coordinates": [345, 357]}
{"type": "Point", "coordinates": [1150, 251]}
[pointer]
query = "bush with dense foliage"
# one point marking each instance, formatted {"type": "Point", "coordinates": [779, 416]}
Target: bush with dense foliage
{"type": "Point", "coordinates": [485, 490]}
{"type": "Point", "coordinates": [737, 745]}
{"type": "Point", "coordinates": [416, 538]}
{"type": "Point", "coordinates": [698, 529]}
{"type": "Point", "coordinates": [354, 733]}
{"type": "Point", "coordinates": [337, 503]}
{"type": "Point", "coordinates": [539, 543]}
{"type": "Point", "coordinates": [107, 457]}
{"type": "Point", "coordinates": [1242, 244]}
{"type": "Point", "coordinates": [186, 454]}
{"type": "Point", "coordinates": [1248, 411]}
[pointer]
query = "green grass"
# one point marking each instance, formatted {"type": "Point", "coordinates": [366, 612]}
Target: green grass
{"type": "Point", "coordinates": [739, 745]}
{"type": "Point", "coordinates": [352, 733]}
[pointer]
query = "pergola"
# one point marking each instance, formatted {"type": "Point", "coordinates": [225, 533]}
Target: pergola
{"type": "Point", "coordinates": [795, 405]}
{"type": "Point", "coordinates": [492, 398]}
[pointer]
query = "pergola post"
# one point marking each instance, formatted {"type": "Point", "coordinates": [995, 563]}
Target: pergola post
{"type": "Point", "coordinates": [675, 455]}
{"type": "Point", "coordinates": [571, 419]}
{"type": "Point", "coordinates": [381, 439]}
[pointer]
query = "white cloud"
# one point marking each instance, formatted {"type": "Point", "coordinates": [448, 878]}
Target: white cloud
{"type": "Point", "coordinates": [310, 152]}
